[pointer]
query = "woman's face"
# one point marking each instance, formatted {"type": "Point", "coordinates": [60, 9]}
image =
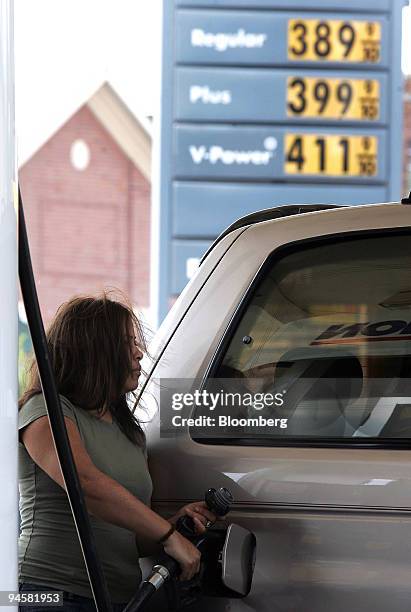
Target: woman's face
{"type": "Point", "coordinates": [136, 356]}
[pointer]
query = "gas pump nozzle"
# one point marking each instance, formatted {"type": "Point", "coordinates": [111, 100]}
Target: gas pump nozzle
{"type": "Point", "coordinates": [218, 501]}
{"type": "Point", "coordinates": [167, 569]}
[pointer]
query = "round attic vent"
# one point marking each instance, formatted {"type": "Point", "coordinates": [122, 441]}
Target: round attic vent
{"type": "Point", "coordinates": [80, 154]}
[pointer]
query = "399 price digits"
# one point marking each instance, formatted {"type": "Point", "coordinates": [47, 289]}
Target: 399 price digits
{"type": "Point", "coordinates": [333, 98]}
{"type": "Point", "coordinates": [331, 155]}
{"type": "Point", "coordinates": [334, 40]}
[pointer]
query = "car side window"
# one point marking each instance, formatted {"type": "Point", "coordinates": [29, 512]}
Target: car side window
{"type": "Point", "coordinates": [321, 349]}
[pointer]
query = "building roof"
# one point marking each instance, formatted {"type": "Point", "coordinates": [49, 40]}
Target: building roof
{"type": "Point", "coordinates": [131, 132]}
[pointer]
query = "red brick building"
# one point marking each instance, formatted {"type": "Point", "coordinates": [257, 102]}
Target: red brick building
{"type": "Point", "coordinates": [87, 204]}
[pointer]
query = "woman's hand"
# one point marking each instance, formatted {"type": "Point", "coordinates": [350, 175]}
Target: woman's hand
{"type": "Point", "coordinates": [200, 514]}
{"type": "Point", "coordinates": [187, 555]}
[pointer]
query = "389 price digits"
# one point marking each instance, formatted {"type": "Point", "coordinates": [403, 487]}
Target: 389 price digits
{"type": "Point", "coordinates": [334, 40]}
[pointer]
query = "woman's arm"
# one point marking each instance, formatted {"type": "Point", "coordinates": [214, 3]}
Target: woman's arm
{"type": "Point", "coordinates": [106, 498]}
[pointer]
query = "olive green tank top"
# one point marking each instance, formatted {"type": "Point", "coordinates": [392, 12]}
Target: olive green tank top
{"type": "Point", "coordinates": [49, 551]}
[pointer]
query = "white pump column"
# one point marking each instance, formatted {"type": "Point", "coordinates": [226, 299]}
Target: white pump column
{"type": "Point", "coordinates": [8, 312]}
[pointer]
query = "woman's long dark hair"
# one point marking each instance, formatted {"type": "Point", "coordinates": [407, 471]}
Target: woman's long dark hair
{"type": "Point", "coordinates": [89, 347]}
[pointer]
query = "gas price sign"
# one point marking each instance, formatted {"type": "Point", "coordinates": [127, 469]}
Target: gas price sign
{"type": "Point", "coordinates": [331, 155]}
{"type": "Point", "coordinates": [334, 40]}
{"type": "Point", "coordinates": [272, 102]}
{"type": "Point", "coordinates": [333, 98]}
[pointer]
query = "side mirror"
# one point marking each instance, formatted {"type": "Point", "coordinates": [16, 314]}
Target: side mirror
{"type": "Point", "coordinates": [238, 559]}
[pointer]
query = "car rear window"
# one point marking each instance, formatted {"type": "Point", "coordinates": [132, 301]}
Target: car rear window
{"type": "Point", "coordinates": [325, 335]}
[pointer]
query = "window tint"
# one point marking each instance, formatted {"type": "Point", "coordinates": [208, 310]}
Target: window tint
{"type": "Point", "coordinates": [327, 334]}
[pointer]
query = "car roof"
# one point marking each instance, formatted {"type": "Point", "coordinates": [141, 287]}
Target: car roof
{"type": "Point", "coordinates": [278, 212]}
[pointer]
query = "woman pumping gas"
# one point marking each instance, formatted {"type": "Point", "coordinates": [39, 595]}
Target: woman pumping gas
{"type": "Point", "coordinates": [96, 345]}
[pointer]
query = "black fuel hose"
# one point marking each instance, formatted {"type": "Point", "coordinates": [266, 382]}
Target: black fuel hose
{"type": "Point", "coordinates": [144, 593]}
{"type": "Point", "coordinates": [57, 425]}
{"type": "Point", "coordinates": [167, 568]}
{"type": "Point", "coordinates": [141, 597]}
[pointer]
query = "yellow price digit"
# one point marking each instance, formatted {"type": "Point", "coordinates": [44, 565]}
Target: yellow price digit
{"type": "Point", "coordinates": [333, 98]}
{"type": "Point", "coordinates": [334, 40]}
{"type": "Point", "coordinates": [331, 155]}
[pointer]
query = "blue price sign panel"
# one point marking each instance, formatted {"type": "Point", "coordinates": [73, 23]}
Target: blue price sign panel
{"type": "Point", "coordinates": [367, 6]}
{"type": "Point", "coordinates": [277, 153]}
{"type": "Point", "coordinates": [215, 202]}
{"type": "Point", "coordinates": [225, 95]}
{"type": "Point", "coordinates": [266, 103]}
{"type": "Point", "coordinates": [278, 38]}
